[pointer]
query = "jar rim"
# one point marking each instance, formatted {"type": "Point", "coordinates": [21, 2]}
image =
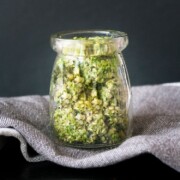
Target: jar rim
{"type": "Point", "coordinates": [70, 42]}
{"type": "Point", "coordinates": [69, 35]}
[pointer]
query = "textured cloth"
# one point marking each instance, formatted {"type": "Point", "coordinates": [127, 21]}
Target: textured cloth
{"type": "Point", "coordinates": [156, 130]}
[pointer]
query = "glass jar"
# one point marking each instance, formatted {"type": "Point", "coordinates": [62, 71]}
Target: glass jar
{"type": "Point", "coordinates": [90, 94]}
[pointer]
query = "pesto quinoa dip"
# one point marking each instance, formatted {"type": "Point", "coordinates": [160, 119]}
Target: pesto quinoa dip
{"type": "Point", "coordinates": [87, 94]}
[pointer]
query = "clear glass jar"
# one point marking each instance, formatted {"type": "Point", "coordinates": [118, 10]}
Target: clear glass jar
{"type": "Point", "coordinates": [90, 94]}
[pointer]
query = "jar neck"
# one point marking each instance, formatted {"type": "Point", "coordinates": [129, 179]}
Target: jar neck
{"type": "Point", "coordinates": [89, 43]}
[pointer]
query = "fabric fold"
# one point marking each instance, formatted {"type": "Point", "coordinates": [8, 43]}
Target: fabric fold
{"type": "Point", "coordinates": [156, 130]}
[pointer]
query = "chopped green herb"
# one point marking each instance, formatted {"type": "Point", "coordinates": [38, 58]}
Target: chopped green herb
{"type": "Point", "coordinates": [88, 94]}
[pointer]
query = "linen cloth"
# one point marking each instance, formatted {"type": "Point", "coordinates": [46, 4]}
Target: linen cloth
{"type": "Point", "coordinates": [156, 129]}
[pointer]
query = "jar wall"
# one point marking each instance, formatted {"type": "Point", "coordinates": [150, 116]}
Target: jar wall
{"type": "Point", "coordinates": [90, 99]}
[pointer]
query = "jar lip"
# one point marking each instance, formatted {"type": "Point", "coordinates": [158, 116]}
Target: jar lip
{"type": "Point", "coordinates": [94, 41]}
{"type": "Point", "coordinates": [69, 35]}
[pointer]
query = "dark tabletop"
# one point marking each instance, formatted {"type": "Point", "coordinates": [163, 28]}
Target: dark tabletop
{"type": "Point", "coordinates": [14, 166]}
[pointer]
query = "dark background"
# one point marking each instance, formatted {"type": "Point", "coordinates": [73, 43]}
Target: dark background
{"type": "Point", "coordinates": [26, 58]}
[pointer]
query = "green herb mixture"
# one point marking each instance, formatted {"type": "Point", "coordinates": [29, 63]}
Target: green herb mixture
{"type": "Point", "coordinates": [88, 95]}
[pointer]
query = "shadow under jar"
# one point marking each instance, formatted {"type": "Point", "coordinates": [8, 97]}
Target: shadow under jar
{"type": "Point", "coordinates": [90, 93]}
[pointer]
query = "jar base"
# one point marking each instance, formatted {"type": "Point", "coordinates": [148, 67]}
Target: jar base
{"type": "Point", "coordinates": [92, 146]}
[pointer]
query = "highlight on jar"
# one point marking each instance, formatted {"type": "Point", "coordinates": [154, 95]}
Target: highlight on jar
{"type": "Point", "coordinates": [90, 93]}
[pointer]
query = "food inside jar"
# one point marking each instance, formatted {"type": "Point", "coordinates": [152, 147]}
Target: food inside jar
{"type": "Point", "coordinates": [88, 94]}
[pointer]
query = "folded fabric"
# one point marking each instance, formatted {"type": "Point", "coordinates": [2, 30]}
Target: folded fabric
{"type": "Point", "coordinates": [156, 130]}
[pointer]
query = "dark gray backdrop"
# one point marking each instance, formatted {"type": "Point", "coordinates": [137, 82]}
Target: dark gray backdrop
{"type": "Point", "coordinates": [26, 59]}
